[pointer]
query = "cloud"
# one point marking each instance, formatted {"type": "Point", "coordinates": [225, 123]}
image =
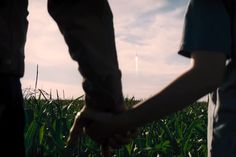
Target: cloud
{"type": "Point", "coordinates": [150, 29]}
{"type": "Point", "coordinates": [46, 47]}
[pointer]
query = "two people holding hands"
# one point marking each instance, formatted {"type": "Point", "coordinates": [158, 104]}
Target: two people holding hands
{"type": "Point", "coordinates": [87, 27]}
{"type": "Point", "coordinates": [209, 38]}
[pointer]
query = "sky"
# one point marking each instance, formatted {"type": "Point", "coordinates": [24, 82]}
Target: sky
{"type": "Point", "coordinates": [148, 36]}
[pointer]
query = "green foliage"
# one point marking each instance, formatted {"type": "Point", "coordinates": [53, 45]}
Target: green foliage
{"type": "Point", "coordinates": [48, 122]}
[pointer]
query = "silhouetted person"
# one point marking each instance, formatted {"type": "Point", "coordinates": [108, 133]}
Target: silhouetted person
{"type": "Point", "coordinates": [87, 27]}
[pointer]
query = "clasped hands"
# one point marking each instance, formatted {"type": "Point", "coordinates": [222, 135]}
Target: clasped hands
{"type": "Point", "coordinates": [100, 127]}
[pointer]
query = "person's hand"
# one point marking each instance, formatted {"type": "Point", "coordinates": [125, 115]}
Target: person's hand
{"type": "Point", "coordinates": [98, 125]}
{"type": "Point", "coordinates": [105, 131]}
{"type": "Point", "coordinates": [78, 128]}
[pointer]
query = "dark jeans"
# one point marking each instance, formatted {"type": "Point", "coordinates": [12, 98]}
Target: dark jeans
{"type": "Point", "coordinates": [11, 117]}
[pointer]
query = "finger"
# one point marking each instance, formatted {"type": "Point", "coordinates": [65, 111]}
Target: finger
{"type": "Point", "coordinates": [76, 130]}
{"type": "Point", "coordinates": [94, 134]}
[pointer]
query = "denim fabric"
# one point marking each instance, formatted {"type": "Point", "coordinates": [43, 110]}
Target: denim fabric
{"type": "Point", "coordinates": [207, 27]}
{"type": "Point", "coordinates": [13, 28]}
{"type": "Point", "coordinates": [11, 117]}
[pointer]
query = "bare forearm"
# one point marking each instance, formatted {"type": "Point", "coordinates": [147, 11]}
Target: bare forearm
{"type": "Point", "coordinates": [186, 89]}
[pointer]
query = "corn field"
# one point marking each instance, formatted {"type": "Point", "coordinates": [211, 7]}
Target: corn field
{"type": "Point", "coordinates": [48, 122]}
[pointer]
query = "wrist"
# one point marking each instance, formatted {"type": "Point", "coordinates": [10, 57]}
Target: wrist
{"type": "Point", "coordinates": [122, 122]}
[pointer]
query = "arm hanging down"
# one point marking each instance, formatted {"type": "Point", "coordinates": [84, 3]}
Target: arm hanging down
{"type": "Point", "coordinates": [87, 27]}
